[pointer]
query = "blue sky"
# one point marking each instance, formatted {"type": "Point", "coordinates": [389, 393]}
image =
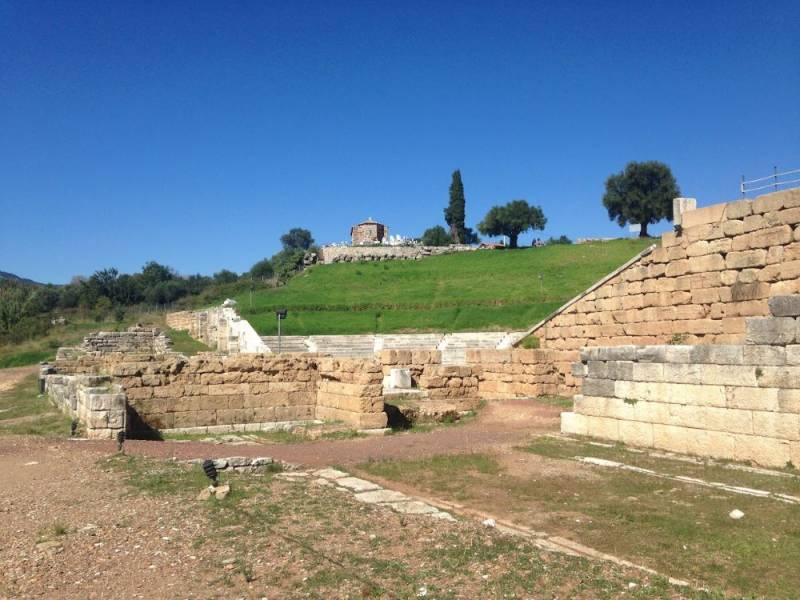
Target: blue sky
{"type": "Point", "coordinates": [196, 133]}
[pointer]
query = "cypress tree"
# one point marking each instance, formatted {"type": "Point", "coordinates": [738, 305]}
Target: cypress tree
{"type": "Point", "coordinates": [455, 214]}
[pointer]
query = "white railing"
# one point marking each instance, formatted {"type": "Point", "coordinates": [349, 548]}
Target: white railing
{"type": "Point", "coordinates": [775, 181]}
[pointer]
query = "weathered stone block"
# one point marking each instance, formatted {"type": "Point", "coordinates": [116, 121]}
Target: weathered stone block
{"type": "Point", "coordinates": [750, 398]}
{"type": "Point", "coordinates": [598, 387]}
{"type": "Point", "coordinates": [770, 330]}
{"type": "Point", "coordinates": [785, 306]}
{"type": "Point", "coordinates": [718, 355]}
{"type": "Point", "coordinates": [573, 424]}
{"type": "Point", "coordinates": [764, 355]}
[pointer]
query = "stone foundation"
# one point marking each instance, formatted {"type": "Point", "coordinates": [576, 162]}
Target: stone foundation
{"type": "Point", "coordinates": [93, 400]}
{"type": "Point", "coordinates": [738, 402]}
{"type": "Point", "coordinates": [334, 254]}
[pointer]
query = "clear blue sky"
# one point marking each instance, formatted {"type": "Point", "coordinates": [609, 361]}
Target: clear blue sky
{"type": "Point", "coordinates": [196, 133]}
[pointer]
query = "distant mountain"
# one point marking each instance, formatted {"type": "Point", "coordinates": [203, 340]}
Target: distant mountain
{"type": "Point", "coordinates": [12, 277]}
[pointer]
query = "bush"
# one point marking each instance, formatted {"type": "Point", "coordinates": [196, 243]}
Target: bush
{"type": "Point", "coordinates": [436, 236]}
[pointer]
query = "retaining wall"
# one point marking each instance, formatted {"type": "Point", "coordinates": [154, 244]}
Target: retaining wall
{"type": "Point", "coordinates": [698, 287]}
{"type": "Point", "coordinates": [333, 254]}
{"type": "Point", "coordinates": [214, 393]}
{"type": "Point", "coordinates": [733, 401]}
{"type": "Point", "coordinates": [92, 400]}
{"type": "Point", "coordinates": [220, 328]}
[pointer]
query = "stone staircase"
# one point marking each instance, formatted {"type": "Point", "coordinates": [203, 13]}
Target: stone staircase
{"type": "Point", "coordinates": [409, 341]}
{"type": "Point", "coordinates": [454, 345]}
{"type": "Point", "coordinates": [289, 343]}
{"type": "Point", "coordinates": [356, 346]}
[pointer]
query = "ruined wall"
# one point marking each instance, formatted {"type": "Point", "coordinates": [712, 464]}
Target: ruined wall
{"type": "Point", "coordinates": [516, 373]}
{"type": "Point", "coordinates": [333, 254]}
{"type": "Point", "coordinates": [351, 390]}
{"type": "Point", "coordinates": [696, 288]}
{"type": "Point", "coordinates": [453, 384]}
{"type": "Point", "coordinates": [93, 400]}
{"type": "Point", "coordinates": [220, 328]}
{"type": "Point", "coordinates": [736, 401]}
{"type": "Point", "coordinates": [135, 339]}
{"type": "Point", "coordinates": [215, 393]}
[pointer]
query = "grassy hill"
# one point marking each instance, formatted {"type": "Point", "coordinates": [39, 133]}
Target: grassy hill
{"type": "Point", "coordinates": [484, 290]}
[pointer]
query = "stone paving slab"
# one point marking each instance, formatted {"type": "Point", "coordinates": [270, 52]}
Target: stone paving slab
{"type": "Point", "coordinates": [357, 485]}
{"type": "Point", "coordinates": [330, 473]}
{"type": "Point", "coordinates": [414, 507]}
{"type": "Point", "coordinates": [381, 497]}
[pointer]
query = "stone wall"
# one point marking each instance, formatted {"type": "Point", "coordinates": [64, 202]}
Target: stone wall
{"type": "Point", "coordinates": [453, 384]}
{"type": "Point", "coordinates": [351, 390]}
{"type": "Point", "coordinates": [698, 287]}
{"type": "Point", "coordinates": [220, 328]}
{"type": "Point", "coordinates": [732, 401]}
{"type": "Point", "coordinates": [215, 393]}
{"type": "Point", "coordinates": [334, 254]}
{"type": "Point", "coordinates": [135, 339]}
{"type": "Point", "coordinates": [93, 400]}
{"type": "Point", "coordinates": [517, 373]}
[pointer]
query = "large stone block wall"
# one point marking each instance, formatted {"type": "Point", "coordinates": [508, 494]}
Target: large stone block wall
{"type": "Point", "coordinates": [92, 400]}
{"type": "Point", "coordinates": [135, 339]}
{"type": "Point", "coordinates": [698, 287]}
{"type": "Point", "coordinates": [516, 373]}
{"type": "Point", "coordinates": [220, 328]}
{"type": "Point", "coordinates": [351, 390]}
{"type": "Point", "coordinates": [453, 384]}
{"type": "Point", "coordinates": [214, 393]}
{"type": "Point", "coordinates": [334, 254]}
{"type": "Point", "coordinates": [732, 401]}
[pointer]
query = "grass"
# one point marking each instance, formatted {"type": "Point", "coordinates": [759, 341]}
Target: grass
{"type": "Point", "coordinates": [31, 352]}
{"type": "Point", "coordinates": [295, 436]}
{"type": "Point", "coordinates": [678, 529]}
{"type": "Point", "coordinates": [184, 343]}
{"type": "Point", "coordinates": [483, 290]}
{"type": "Point", "coordinates": [24, 412]}
{"type": "Point", "coordinates": [296, 539]}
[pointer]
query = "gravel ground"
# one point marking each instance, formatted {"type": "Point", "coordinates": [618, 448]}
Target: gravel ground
{"type": "Point", "coordinates": [501, 424]}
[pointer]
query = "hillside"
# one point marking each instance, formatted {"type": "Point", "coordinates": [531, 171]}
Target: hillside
{"type": "Point", "coordinates": [484, 290]}
{"type": "Point", "coordinates": [12, 277]}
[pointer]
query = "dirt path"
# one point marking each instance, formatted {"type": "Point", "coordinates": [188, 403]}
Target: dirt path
{"type": "Point", "coordinates": [11, 377]}
{"type": "Point", "coordinates": [500, 425]}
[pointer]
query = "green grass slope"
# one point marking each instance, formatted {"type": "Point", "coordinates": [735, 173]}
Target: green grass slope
{"type": "Point", "coordinates": [483, 290]}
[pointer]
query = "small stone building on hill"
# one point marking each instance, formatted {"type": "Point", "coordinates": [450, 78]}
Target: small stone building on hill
{"type": "Point", "coordinates": [368, 232]}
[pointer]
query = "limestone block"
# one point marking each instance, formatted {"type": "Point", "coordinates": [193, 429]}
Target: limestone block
{"type": "Point", "coordinates": [731, 420]}
{"type": "Point", "coordinates": [738, 209]}
{"type": "Point", "coordinates": [789, 401]}
{"type": "Point", "coordinates": [769, 452]}
{"type": "Point", "coordinates": [746, 259]}
{"type": "Point", "coordinates": [770, 330]}
{"type": "Point", "coordinates": [772, 236]}
{"type": "Point", "coordinates": [598, 387]}
{"type": "Point", "coordinates": [785, 306]}
{"type": "Point", "coordinates": [719, 355]}
{"type": "Point", "coordinates": [579, 370]}
{"type": "Point", "coordinates": [590, 405]}
{"type": "Point", "coordinates": [779, 377]}
{"type": "Point", "coordinates": [784, 426]}
{"type": "Point", "coordinates": [687, 415]}
{"type": "Point", "coordinates": [399, 379]}
{"type": "Point", "coordinates": [620, 370]}
{"type": "Point", "coordinates": [604, 428]}
{"type": "Point", "coordinates": [733, 228]}
{"type": "Point", "coordinates": [764, 355]}
{"type": "Point", "coordinates": [574, 424]}
{"type": "Point", "coordinates": [709, 262]}
{"type": "Point", "coordinates": [627, 352]}
{"type": "Point", "coordinates": [648, 372]}
{"type": "Point", "coordinates": [636, 434]}
{"type": "Point", "coordinates": [768, 203]}
{"type": "Point", "coordinates": [793, 354]}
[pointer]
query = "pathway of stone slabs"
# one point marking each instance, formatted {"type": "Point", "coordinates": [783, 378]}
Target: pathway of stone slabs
{"type": "Point", "coordinates": [367, 492]}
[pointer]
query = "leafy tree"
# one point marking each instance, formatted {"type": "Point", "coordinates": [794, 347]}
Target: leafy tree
{"type": "Point", "coordinates": [297, 239]}
{"type": "Point", "coordinates": [514, 218]}
{"type": "Point", "coordinates": [469, 236]}
{"type": "Point", "coordinates": [225, 276]}
{"type": "Point", "coordinates": [642, 193]}
{"type": "Point", "coordinates": [436, 236]}
{"type": "Point", "coordinates": [455, 212]}
{"type": "Point", "coordinates": [153, 273]}
{"type": "Point", "coordinates": [559, 240]}
{"type": "Point", "coordinates": [287, 262]}
{"type": "Point", "coordinates": [262, 270]}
